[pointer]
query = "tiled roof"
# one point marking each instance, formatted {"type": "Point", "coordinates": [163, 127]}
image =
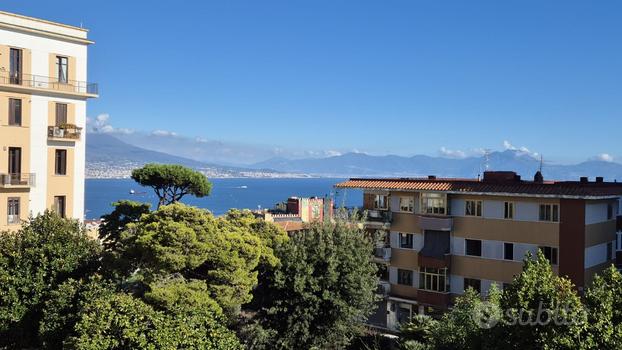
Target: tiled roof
{"type": "Point", "coordinates": [518, 187]}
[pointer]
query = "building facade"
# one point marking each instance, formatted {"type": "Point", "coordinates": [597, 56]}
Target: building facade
{"type": "Point", "coordinates": [43, 95]}
{"type": "Point", "coordinates": [444, 235]}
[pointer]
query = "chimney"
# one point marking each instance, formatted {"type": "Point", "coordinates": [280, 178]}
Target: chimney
{"type": "Point", "coordinates": [431, 177]}
{"type": "Point", "coordinates": [583, 179]}
{"type": "Point", "coordinates": [538, 178]}
{"type": "Point", "coordinates": [599, 179]}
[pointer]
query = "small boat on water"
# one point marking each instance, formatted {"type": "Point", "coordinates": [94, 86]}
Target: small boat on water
{"type": "Point", "coordinates": [132, 192]}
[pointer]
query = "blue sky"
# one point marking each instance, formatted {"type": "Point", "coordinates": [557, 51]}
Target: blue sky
{"type": "Point", "coordinates": [400, 77]}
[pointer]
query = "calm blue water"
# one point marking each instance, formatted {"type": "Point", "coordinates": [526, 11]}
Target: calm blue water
{"type": "Point", "coordinates": [226, 194]}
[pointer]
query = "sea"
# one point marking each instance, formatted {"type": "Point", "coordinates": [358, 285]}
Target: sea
{"type": "Point", "coordinates": [240, 193]}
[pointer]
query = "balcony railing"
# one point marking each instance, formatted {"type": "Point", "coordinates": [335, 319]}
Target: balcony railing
{"type": "Point", "coordinates": [382, 253]}
{"type": "Point", "coordinates": [381, 216]}
{"type": "Point", "coordinates": [17, 180]}
{"type": "Point", "coordinates": [384, 288]}
{"type": "Point", "coordinates": [48, 83]}
{"type": "Point", "coordinates": [67, 131]}
{"type": "Point", "coordinates": [435, 223]}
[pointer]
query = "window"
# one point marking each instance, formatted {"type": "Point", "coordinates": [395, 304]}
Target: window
{"type": "Point", "coordinates": [508, 213]}
{"type": "Point", "coordinates": [473, 247]}
{"type": "Point", "coordinates": [381, 201]}
{"type": "Point", "coordinates": [61, 114]}
{"type": "Point", "coordinates": [609, 211]}
{"type": "Point", "coordinates": [433, 203]}
{"type": "Point", "coordinates": [15, 66]}
{"type": "Point", "coordinates": [508, 251]}
{"type": "Point", "coordinates": [13, 211]}
{"type": "Point", "coordinates": [59, 205]}
{"type": "Point", "coordinates": [403, 314]}
{"type": "Point", "coordinates": [549, 212]}
{"type": "Point", "coordinates": [61, 69]}
{"type": "Point", "coordinates": [550, 253]}
{"type": "Point", "coordinates": [473, 208]}
{"type": "Point", "coordinates": [406, 240]}
{"type": "Point", "coordinates": [15, 111]}
{"type": "Point", "coordinates": [407, 204]}
{"type": "Point", "coordinates": [609, 250]}
{"type": "Point", "coordinates": [433, 279]}
{"type": "Point", "coordinates": [60, 166]}
{"type": "Point", "coordinates": [473, 283]}
{"type": "Point", "coordinates": [15, 161]}
{"type": "Point", "coordinates": [405, 277]}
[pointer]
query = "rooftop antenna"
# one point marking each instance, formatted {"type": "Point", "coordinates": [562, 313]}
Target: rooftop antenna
{"type": "Point", "coordinates": [486, 159]}
{"type": "Point", "coordinates": [541, 161]}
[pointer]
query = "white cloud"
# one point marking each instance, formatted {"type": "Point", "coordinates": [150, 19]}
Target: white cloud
{"type": "Point", "coordinates": [604, 157]}
{"type": "Point", "coordinates": [449, 153]}
{"type": "Point", "coordinates": [524, 150]}
{"type": "Point", "coordinates": [332, 153]}
{"type": "Point", "coordinates": [164, 133]}
{"type": "Point", "coordinates": [101, 125]}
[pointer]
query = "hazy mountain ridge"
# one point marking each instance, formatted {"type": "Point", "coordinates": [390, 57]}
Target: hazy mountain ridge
{"type": "Point", "coordinates": [360, 164]}
{"type": "Point", "coordinates": [109, 157]}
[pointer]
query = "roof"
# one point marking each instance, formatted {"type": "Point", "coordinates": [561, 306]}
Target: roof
{"type": "Point", "coordinates": [290, 226]}
{"type": "Point", "coordinates": [556, 189]}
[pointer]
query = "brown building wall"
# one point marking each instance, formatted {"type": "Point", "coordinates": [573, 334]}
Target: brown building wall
{"type": "Point", "coordinates": [405, 222]}
{"type": "Point", "coordinates": [399, 290]}
{"type": "Point", "coordinates": [572, 240]}
{"type": "Point", "coordinates": [405, 258]}
{"type": "Point", "coordinates": [599, 233]}
{"type": "Point", "coordinates": [495, 270]}
{"type": "Point", "coordinates": [540, 233]}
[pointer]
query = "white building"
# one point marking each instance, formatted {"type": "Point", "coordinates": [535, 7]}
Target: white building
{"type": "Point", "coordinates": [43, 94]}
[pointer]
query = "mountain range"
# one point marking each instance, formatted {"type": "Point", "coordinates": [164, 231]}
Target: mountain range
{"type": "Point", "coordinates": [360, 164]}
{"type": "Point", "coordinates": [107, 156]}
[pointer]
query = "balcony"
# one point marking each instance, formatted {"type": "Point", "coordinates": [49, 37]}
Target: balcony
{"type": "Point", "coordinates": [435, 223]}
{"type": "Point", "coordinates": [384, 288]}
{"type": "Point", "coordinates": [21, 180]}
{"type": "Point", "coordinates": [40, 82]}
{"type": "Point", "coordinates": [382, 254]}
{"type": "Point", "coordinates": [436, 299]}
{"type": "Point", "coordinates": [66, 132]}
{"type": "Point", "coordinates": [378, 218]}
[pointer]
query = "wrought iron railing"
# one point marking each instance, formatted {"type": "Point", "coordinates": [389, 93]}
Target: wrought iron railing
{"type": "Point", "coordinates": [67, 131]}
{"type": "Point", "coordinates": [48, 83]}
{"type": "Point", "coordinates": [18, 179]}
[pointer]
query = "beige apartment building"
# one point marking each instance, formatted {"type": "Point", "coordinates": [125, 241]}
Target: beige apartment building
{"type": "Point", "coordinates": [444, 235]}
{"type": "Point", "coordinates": [43, 94]}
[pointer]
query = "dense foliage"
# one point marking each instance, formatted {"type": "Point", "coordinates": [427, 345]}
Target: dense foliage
{"type": "Point", "coordinates": [539, 310]}
{"type": "Point", "coordinates": [36, 263]}
{"type": "Point", "coordinates": [172, 182]}
{"type": "Point", "coordinates": [322, 290]}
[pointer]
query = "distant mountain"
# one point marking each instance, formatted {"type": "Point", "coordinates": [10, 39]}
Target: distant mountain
{"type": "Point", "coordinates": [109, 157]}
{"type": "Point", "coordinates": [360, 164]}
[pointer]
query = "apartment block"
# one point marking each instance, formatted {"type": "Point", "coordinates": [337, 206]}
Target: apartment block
{"type": "Point", "coordinates": [444, 235]}
{"type": "Point", "coordinates": [43, 95]}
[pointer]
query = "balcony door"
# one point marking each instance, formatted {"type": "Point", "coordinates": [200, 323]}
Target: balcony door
{"type": "Point", "coordinates": [15, 69]}
{"type": "Point", "coordinates": [15, 164]}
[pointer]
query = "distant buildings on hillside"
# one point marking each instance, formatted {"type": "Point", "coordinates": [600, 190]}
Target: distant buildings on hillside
{"type": "Point", "coordinates": [293, 213]}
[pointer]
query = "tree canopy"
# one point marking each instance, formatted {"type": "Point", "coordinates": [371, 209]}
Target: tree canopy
{"type": "Point", "coordinates": [172, 182]}
{"type": "Point", "coordinates": [35, 262]}
{"type": "Point", "coordinates": [322, 290]}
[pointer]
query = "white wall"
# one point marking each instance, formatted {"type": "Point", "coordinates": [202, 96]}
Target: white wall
{"type": "Point", "coordinates": [597, 254]}
{"type": "Point", "coordinates": [493, 209]}
{"type": "Point", "coordinates": [38, 153]}
{"type": "Point", "coordinates": [595, 213]}
{"type": "Point", "coordinates": [493, 249]}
